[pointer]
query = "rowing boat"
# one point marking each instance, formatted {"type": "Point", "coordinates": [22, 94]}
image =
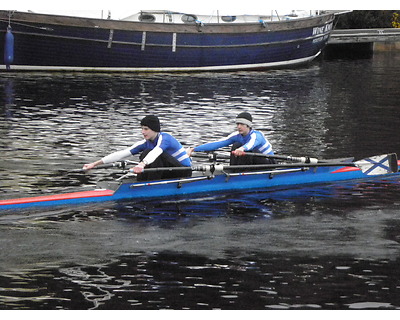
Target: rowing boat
{"type": "Point", "coordinates": [160, 41]}
{"type": "Point", "coordinates": [216, 177]}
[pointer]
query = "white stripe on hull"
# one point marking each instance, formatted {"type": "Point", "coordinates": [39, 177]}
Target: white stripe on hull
{"type": "Point", "coordinates": [165, 69]}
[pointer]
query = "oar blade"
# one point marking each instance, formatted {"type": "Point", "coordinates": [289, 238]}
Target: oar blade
{"type": "Point", "coordinates": [377, 165]}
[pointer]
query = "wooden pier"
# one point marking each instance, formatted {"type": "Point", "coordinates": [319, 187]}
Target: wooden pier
{"type": "Point", "coordinates": [364, 35]}
{"type": "Point", "coordinates": [361, 43]}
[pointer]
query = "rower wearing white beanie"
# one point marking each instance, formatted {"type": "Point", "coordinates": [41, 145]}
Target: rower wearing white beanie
{"type": "Point", "coordinates": [246, 139]}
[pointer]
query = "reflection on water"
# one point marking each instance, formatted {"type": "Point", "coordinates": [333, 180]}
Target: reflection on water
{"type": "Point", "coordinates": [326, 247]}
{"type": "Point", "coordinates": [183, 281]}
{"type": "Point", "coordinates": [331, 247]}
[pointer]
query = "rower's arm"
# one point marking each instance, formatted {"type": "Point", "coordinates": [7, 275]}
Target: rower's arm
{"type": "Point", "coordinates": [211, 146]}
{"type": "Point", "coordinates": [117, 156]}
{"type": "Point", "coordinates": [152, 155]}
{"type": "Point", "coordinates": [113, 157]}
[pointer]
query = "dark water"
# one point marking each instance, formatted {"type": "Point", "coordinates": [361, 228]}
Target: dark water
{"type": "Point", "coordinates": [327, 247]}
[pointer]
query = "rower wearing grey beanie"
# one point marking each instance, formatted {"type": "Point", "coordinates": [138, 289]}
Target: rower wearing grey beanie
{"type": "Point", "coordinates": [158, 149]}
{"type": "Point", "coordinates": [246, 139]}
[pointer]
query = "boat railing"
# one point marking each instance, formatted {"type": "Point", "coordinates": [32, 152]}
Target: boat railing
{"type": "Point", "coordinates": [165, 16]}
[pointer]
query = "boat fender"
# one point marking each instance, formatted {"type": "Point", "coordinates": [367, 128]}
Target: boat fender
{"type": "Point", "coordinates": [9, 48]}
{"type": "Point", "coordinates": [199, 23]}
{"type": "Point", "coordinates": [263, 23]}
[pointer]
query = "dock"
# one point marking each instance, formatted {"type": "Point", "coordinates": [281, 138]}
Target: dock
{"type": "Point", "coordinates": [340, 36]}
{"type": "Point", "coordinates": [361, 43]}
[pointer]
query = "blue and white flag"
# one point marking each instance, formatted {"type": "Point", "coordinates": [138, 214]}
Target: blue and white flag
{"type": "Point", "coordinates": [377, 165]}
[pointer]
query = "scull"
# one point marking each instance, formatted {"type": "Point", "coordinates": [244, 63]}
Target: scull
{"type": "Point", "coordinates": [213, 178]}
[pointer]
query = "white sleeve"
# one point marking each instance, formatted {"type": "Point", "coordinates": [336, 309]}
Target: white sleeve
{"type": "Point", "coordinates": [122, 154]}
{"type": "Point", "coordinates": [117, 156]}
{"type": "Point", "coordinates": [153, 155]}
{"type": "Point", "coordinates": [250, 144]}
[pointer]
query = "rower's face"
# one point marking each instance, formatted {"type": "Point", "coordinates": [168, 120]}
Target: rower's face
{"type": "Point", "coordinates": [148, 134]}
{"type": "Point", "coordinates": [243, 129]}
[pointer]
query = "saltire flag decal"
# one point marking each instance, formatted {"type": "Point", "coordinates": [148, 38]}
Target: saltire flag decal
{"type": "Point", "coordinates": [376, 165]}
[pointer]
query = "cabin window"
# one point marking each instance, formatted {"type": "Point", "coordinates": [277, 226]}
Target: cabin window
{"type": "Point", "coordinates": [147, 18]}
{"type": "Point", "coordinates": [189, 18]}
{"type": "Point", "coordinates": [228, 18]}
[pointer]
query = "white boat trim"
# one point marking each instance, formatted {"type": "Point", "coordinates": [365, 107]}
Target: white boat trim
{"type": "Point", "coordinates": [167, 69]}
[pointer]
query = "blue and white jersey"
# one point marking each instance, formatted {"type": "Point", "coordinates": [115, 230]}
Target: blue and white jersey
{"type": "Point", "coordinates": [254, 141]}
{"type": "Point", "coordinates": [163, 143]}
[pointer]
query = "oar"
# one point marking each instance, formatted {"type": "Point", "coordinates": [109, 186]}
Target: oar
{"type": "Point", "coordinates": [214, 156]}
{"type": "Point", "coordinates": [286, 158]}
{"type": "Point", "coordinates": [303, 159]}
{"type": "Point", "coordinates": [118, 164]}
{"type": "Point", "coordinates": [102, 166]}
{"type": "Point", "coordinates": [383, 164]}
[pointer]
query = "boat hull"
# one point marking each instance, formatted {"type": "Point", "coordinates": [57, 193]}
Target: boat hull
{"type": "Point", "coordinates": [268, 180]}
{"type": "Point", "coordinates": [47, 42]}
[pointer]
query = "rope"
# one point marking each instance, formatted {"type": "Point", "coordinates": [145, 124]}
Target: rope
{"type": "Point", "coordinates": [11, 13]}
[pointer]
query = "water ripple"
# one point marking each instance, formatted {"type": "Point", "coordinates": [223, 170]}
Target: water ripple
{"type": "Point", "coordinates": [329, 247]}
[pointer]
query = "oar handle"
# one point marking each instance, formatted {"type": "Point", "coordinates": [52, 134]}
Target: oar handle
{"type": "Point", "coordinates": [286, 158]}
{"type": "Point", "coordinates": [119, 164]}
{"type": "Point", "coordinates": [215, 156]}
{"type": "Point", "coordinates": [170, 169]}
{"type": "Point", "coordinates": [290, 165]}
{"type": "Point", "coordinates": [108, 165]}
{"type": "Point", "coordinates": [212, 156]}
{"type": "Point", "coordinates": [102, 166]}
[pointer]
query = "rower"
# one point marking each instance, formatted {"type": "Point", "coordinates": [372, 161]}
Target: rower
{"type": "Point", "coordinates": [246, 139]}
{"type": "Point", "coordinates": [158, 149]}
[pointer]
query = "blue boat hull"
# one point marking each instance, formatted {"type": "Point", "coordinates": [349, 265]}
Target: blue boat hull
{"type": "Point", "coordinates": [221, 183]}
{"type": "Point", "coordinates": [45, 42]}
{"type": "Point", "coordinates": [184, 187]}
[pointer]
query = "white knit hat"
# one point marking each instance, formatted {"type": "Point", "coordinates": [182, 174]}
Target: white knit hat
{"type": "Point", "coordinates": [245, 118]}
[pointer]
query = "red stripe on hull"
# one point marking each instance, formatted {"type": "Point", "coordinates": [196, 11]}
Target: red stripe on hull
{"type": "Point", "coordinates": [64, 196]}
{"type": "Point", "coordinates": [345, 169]}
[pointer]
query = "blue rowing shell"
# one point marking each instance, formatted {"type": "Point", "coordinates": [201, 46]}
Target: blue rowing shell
{"type": "Point", "coordinates": [273, 180]}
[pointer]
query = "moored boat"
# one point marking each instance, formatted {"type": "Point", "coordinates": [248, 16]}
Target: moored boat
{"type": "Point", "coordinates": [214, 178]}
{"type": "Point", "coordinates": [160, 41]}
